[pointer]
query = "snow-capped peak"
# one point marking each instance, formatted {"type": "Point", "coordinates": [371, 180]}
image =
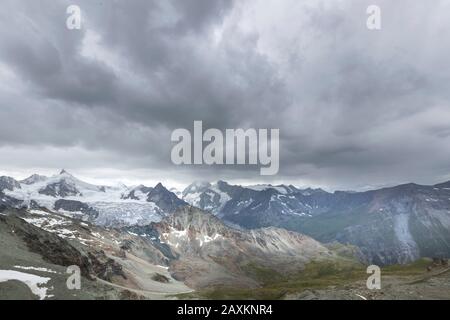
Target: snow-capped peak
{"type": "Point", "coordinates": [68, 178]}
{"type": "Point", "coordinates": [197, 186]}
{"type": "Point", "coordinates": [63, 171]}
{"type": "Point", "coordinates": [34, 178]}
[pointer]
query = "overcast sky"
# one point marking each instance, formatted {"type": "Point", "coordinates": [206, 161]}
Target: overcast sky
{"type": "Point", "coordinates": [356, 108]}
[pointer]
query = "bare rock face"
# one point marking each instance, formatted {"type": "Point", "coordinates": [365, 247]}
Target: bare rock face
{"type": "Point", "coordinates": [103, 267]}
{"type": "Point", "coordinates": [77, 206]}
{"type": "Point", "coordinates": [7, 202]}
{"type": "Point", "coordinates": [160, 278]}
{"type": "Point", "coordinates": [8, 183]}
{"type": "Point", "coordinates": [196, 232]}
{"type": "Point", "coordinates": [60, 189]}
{"type": "Point", "coordinates": [165, 199]}
{"type": "Point", "coordinates": [56, 250]}
{"type": "Point", "coordinates": [204, 250]}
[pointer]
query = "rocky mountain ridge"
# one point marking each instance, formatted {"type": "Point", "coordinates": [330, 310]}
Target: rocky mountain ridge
{"type": "Point", "coordinates": [390, 225]}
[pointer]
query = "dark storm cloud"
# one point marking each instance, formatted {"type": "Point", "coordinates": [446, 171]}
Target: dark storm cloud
{"type": "Point", "coordinates": [355, 107]}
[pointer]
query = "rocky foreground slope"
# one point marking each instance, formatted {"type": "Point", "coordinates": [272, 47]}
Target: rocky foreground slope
{"type": "Point", "coordinates": [190, 250]}
{"type": "Point", "coordinates": [190, 254]}
{"type": "Point", "coordinates": [207, 252]}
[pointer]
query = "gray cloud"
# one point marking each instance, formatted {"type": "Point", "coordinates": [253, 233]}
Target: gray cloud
{"type": "Point", "coordinates": [355, 108]}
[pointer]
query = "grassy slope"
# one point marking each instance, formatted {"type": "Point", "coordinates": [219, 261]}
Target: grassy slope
{"type": "Point", "coordinates": [275, 284]}
{"type": "Point", "coordinates": [315, 275]}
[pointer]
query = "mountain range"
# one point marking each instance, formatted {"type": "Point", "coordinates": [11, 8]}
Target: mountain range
{"type": "Point", "coordinates": [216, 240]}
{"type": "Point", "coordinates": [106, 205]}
{"type": "Point", "coordinates": [187, 251]}
{"type": "Point", "coordinates": [392, 225]}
